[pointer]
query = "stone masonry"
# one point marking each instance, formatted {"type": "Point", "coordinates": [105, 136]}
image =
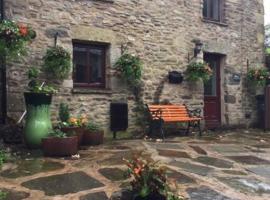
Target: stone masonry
{"type": "Point", "coordinates": [161, 33]}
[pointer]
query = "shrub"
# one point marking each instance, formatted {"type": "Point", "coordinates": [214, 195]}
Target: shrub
{"type": "Point", "coordinates": [64, 114]}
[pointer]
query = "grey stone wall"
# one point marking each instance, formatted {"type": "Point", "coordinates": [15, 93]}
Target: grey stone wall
{"type": "Point", "coordinates": [160, 32]}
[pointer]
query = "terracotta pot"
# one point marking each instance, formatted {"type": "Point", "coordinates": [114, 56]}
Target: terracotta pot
{"type": "Point", "coordinates": [92, 138]}
{"type": "Point", "coordinates": [55, 146]}
{"type": "Point", "coordinates": [79, 131]}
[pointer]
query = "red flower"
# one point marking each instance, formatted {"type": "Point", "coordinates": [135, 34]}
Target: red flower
{"type": "Point", "coordinates": [23, 30]}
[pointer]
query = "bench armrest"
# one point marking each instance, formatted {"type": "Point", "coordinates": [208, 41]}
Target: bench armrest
{"type": "Point", "coordinates": [156, 115]}
{"type": "Point", "coordinates": [195, 112]}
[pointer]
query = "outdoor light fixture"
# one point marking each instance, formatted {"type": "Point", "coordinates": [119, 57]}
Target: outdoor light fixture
{"type": "Point", "coordinates": [198, 47]}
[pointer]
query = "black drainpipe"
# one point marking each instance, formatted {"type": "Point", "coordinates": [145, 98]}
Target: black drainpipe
{"type": "Point", "coordinates": [3, 74]}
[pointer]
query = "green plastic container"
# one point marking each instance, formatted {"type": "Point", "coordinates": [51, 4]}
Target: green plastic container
{"type": "Point", "coordinates": [38, 118]}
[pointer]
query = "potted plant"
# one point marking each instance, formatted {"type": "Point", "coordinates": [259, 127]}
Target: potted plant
{"type": "Point", "coordinates": [93, 134]}
{"type": "Point", "coordinates": [149, 181]}
{"type": "Point", "coordinates": [13, 38]}
{"type": "Point", "coordinates": [57, 62]}
{"type": "Point", "coordinates": [59, 143]}
{"type": "Point", "coordinates": [257, 77]}
{"type": "Point", "coordinates": [198, 71]}
{"type": "Point", "coordinates": [75, 125]}
{"type": "Point", "coordinates": [38, 99]}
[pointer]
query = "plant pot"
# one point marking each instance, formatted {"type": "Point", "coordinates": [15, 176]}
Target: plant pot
{"type": "Point", "coordinates": [55, 146]}
{"type": "Point", "coordinates": [78, 131]}
{"type": "Point", "coordinates": [38, 122]}
{"type": "Point", "coordinates": [93, 138]}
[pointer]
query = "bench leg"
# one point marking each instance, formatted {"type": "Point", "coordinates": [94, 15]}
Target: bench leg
{"type": "Point", "coordinates": [187, 131]}
{"type": "Point", "coordinates": [199, 127]}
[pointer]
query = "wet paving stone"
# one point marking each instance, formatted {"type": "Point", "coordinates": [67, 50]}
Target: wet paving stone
{"type": "Point", "coordinates": [31, 167]}
{"type": "Point", "coordinates": [198, 150]}
{"type": "Point", "coordinates": [262, 146]}
{"type": "Point", "coordinates": [214, 162]}
{"type": "Point", "coordinates": [205, 193]}
{"type": "Point", "coordinates": [95, 196]}
{"type": "Point", "coordinates": [192, 168]}
{"type": "Point", "coordinates": [166, 145]}
{"type": "Point", "coordinates": [255, 150]}
{"type": "Point", "coordinates": [172, 153]}
{"type": "Point", "coordinates": [247, 185]}
{"type": "Point", "coordinates": [179, 177]}
{"type": "Point", "coordinates": [117, 147]}
{"type": "Point", "coordinates": [263, 171]}
{"type": "Point", "coordinates": [113, 174]}
{"type": "Point", "coordinates": [63, 183]}
{"type": "Point", "coordinates": [14, 195]}
{"type": "Point", "coordinates": [234, 172]}
{"type": "Point", "coordinates": [225, 149]}
{"type": "Point", "coordinates": [249, 160]}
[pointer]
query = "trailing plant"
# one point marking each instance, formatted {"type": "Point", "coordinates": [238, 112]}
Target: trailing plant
{"type": "Point", "coordinates": [57, 133]}
{"type": "Point", "coordinates": [258, 76]}
{"type": "Point", "coordinates": [35, 85]}
{"type": "Point", "coordinates": [64, 114]}
{"type": "Point", "coordinates": [148, 179]}
{"type": "Point", "coordinates": [3, 158]}
{"type": "Point", "coordinates": [57, 62]}
{"type": "Point", "coordinates": [130, 68]}
{"type": "Point", "coordinates": [91, 126]}
{"type": "Point", "coordinates": [3, 195]}
{"type": "Point", "coordinates": [198, 71]}
{"type": "Point", "coordinates": [13, 38]}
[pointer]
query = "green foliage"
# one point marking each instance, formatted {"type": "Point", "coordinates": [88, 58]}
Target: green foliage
{"type": "Point", "coordinates": [46, 89]}
{"type": "Point", "coordinates": [258, 76]}
{"type": "Point", "coordinates": [148, 179]}
{"type": "Point", "coordinates": [3, 195]}
{"type": "Point", "coordinates": [33, 73]}
{"type": "Point", "coordinates": [13, 39]}
{"type": "Point", "coordinates": [57, 62]}
{"type": "Point", "coordinates": [198, 70]}
{"type": "Point", "coordinates": [130, 68]}
{"type": "Point", "coordinates": [3, 158]}
{"type": "Point", "coordinates": [58, 133]}
{"type": "Point", "coordinates": [91, 126]}
{"type": "Point", "coordinates": [64, 113]}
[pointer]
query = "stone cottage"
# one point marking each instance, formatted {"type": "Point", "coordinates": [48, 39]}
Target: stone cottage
{"type": "Point", "coordinates": [161, 32]}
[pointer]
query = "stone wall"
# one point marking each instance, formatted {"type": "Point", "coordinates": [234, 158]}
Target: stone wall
{"type": "Point", "coordinates": [160, 32]}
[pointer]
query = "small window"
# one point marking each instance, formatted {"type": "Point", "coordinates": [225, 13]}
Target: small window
{"type": "Point", "coordinates": [89, 61]}
{"type": "Point", "coordinates": [213, 10]}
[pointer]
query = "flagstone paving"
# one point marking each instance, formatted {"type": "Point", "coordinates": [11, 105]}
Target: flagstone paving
{"type": "Point", "coordinates": [229, 165]}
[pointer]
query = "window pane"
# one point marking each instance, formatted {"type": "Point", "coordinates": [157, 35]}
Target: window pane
{"type": "Point", "coordinates": [210, 87]}
{"type": "Point", "coordinates": [80, 65]}
{"type": "Point", "coordinates": [216, 9]}
{"type": "Point", "coordinates": [205, 6]}
{"type": "Point", "coordinates": [96, 63]}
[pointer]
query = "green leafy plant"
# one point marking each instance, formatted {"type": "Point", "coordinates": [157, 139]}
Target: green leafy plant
{"type": "Point", "coordinates": [258, 76]}
{"type": "Point", "coordinates": [3, 195]}
{"type": "Point", "coordinates": [64, 113]}
{"type": "Point", "coordinates": [198, 71]}
{"type": "Point", "coordinates": [13, 38]}
{"type": "Point", "coordinates": [130, 68]}
{"type": "Point", "coordinates": [148, 179]}
{"type": "Point", "coordinates": [57, 133]}
{"type": "Point", "coordinates": [3, 158]}
{"type": "Point", "coordinates": [91, 126]}
{"type": "Point", "coordinates": [57, 62]}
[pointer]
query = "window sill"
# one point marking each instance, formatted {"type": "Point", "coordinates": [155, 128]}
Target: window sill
{"type": "Point", "coordinates": [79, 90]}
{"type": "Point", "coordinates": [215, 22]}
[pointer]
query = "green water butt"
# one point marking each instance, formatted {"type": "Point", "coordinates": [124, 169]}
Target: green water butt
{"type": "Point", "coordinates": [38, 121]}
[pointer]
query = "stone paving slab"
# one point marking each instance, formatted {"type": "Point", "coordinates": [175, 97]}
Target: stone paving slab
{"type": "Point", "coordinates": [192, 168]}
{"type": "Point", "coordinates": [249, 160]}
{"type": "Point", "coordinates": [95, 196]}
{"type": "Point", "coordinates": [263, 171]}
{"type": "Point", "coordinates": [63, 183]}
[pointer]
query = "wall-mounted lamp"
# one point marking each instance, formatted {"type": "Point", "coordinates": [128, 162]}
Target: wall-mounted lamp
{"type": "Point", "coordinates": [198, 47]}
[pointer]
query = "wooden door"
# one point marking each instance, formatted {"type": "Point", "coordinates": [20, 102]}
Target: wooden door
{"type": "Point", "coordinates": [212, 110]}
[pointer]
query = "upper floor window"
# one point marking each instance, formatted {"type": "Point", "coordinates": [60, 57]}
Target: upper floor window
{"type": "Point", "coordinates": [89, 64]}
{"type": "Point", "coordinates": [213, 10]}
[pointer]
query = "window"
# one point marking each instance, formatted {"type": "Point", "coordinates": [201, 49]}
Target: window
{"type": "Point", "coordinates": [213, 10]}
{"type": "Point", "coordinates": [89, 64]}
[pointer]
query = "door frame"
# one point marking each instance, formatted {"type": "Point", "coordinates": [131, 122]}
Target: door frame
{"type": "Point", "coordinates": [220, 88]}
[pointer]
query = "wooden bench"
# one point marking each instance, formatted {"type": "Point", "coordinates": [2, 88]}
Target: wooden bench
{"type": "Point", "coordinates": [160, 114]}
